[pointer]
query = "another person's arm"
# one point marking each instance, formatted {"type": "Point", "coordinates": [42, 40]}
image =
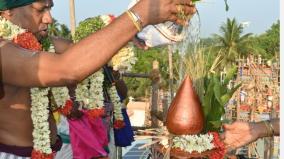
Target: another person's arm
{"type": "Point", "coordinates": [22, 68]}
{"type": "Point", "coordinates": [240, 133]}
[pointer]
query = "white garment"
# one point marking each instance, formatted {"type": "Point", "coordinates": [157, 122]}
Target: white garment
{"type": "Point", "coordinates": [64, 153]}
{"type": "Point", "coordinates": [63, 127]}
{"type": "Point", "coordinates": [4, 155]}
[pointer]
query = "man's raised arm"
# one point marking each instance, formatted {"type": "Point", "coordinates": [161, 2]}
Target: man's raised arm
{"type": "Point", "coordinates": [23, 68]}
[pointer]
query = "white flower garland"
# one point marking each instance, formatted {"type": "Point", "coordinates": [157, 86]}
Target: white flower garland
{"type": "Point", "coordinates": [60, 94]}
{"type": "Point", "coordinates": [8, 30]}
{"type": "Point", "coordinates": [116, 103]}
{"type": "Point", "coordinates": [190, 143]}
{"type": "Point", "coordinates": [106, 19]}
{"type": "Point", "coordinates": [39, 96]}
{"type": "Point", "coordinates": [124, 60]}
{"type": "Point", "coordinates": [40, 113]}
{"type": "Point", "coordinates": [90, 91]}
{"type": "Point", "coordinates": [93, 97]}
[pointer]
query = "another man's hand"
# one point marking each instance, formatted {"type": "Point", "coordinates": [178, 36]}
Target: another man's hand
{"type": "Point", "coordinates": [240, 134]}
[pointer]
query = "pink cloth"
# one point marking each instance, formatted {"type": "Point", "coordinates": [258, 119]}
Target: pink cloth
{"type": "Point", "coordinates": [88, 137]}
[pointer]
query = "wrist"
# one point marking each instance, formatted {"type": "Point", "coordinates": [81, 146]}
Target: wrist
{"type": "Point", "coordinates": [135, 18]}
{"type": "Point", "coordinates": [139, 12]}
{"type": "Point", "coordinates": [262, 129]}
{"type": "Point", "coordinates": [258, 129]}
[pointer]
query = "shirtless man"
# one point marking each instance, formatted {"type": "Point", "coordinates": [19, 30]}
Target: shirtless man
{"type": "Point", "coordinates": [23, 69]}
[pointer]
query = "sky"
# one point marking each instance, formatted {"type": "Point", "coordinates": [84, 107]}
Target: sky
{"type": "Point", "coordinates": [259, 14]}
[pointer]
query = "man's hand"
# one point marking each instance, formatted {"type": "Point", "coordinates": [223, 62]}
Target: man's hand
{"type": "Point", "coordinates": [159, 11]}
{"type": "Point", "coordinates": [139, 43]}
{"type": "Point", "coordinates": [240, 134]}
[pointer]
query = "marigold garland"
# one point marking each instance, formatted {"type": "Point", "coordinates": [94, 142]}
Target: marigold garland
{"type": "Point", "coordinates": [118, 124]}
{"type": "Point", "coordinates": [39, 155]}
{"type": "Point", "coordinates": [28, 41]}
{"type": "Point", "coordinates": [219, 145]}
{"type": "Point", "coordinates": [67, 108]}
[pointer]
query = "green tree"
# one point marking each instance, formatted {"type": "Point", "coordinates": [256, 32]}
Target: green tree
{"type": "Point", "coordinates": [139, 87]}
{"type": "Point", "coordinates": [57, 29]}
{"type": "Point", "coordinates": [231, 41]}
{"type": "Point", "coordinates": [53, 28]}
{"type": "Point", "coordinates": [65, 32]}
{"type": "Point", "coordinates": [270, 41]}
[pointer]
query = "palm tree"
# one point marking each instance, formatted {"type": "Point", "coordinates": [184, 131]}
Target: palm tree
{"type": "Point", "coordinates": [231, 41]}
{"type": "Point", "coordinates": [53, 28]}
{"type": "Point", "coordinates": [65, 32]}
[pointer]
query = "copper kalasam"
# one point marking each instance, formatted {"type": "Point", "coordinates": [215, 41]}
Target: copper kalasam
{"type": "Point", "coordinates": [185, 115]}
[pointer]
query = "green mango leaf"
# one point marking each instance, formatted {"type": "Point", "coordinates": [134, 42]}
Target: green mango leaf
{"type": "Point", "coordinates": [227, 6]}
{"type": "Point", "coordinates": [233, 90]}
{"type": "Point", "coordinates": [208, 98]}
{"type": "Point", "coordinates": [230, 74]}
{"type": "Point", "coordinates": [217, 89]}
{"type": "Point", "coordinates": [225, 98]}
{"type": "Point", "coordinates": [216, 125]}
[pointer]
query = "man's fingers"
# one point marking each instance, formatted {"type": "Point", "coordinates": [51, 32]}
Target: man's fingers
{"type": "Point", "coordinates": [183, 8]}
{"type": "Point", "coordinates": [222, 136]}
{"type": "Point", "coordinates": [185, 2]}
{"type": "Point", "coordinates": [181, 22]}
{"type": "Point", "coordinates": [227, 127]}
{"type": "Point", "coordinates": [173, 18]}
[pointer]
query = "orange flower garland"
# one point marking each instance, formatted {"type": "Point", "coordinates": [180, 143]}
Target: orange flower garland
{"type": "Point", "coordinates": [38, 155]}
{"type": "Point", "coordinates": [28, 41]}
{"type": "Point", "coordinates": [219, 151]}
{"type": "Point", "coordinates": [96, 113]}
{"type": "Point", "coordinates": [118, 124]}
{"type": "Point", "coordinates": [67, 109]}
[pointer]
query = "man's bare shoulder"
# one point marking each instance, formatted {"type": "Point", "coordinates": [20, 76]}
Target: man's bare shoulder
{"type": "Point", "coordinates": [10, 49]}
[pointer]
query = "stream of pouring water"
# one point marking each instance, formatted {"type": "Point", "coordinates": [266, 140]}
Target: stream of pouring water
{"type": "Point", "coordinates": [189, 45]}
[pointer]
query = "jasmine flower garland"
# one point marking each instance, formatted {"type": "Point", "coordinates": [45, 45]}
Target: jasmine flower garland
{"type": "Point", "coordinates": [89, 91]}
{"type": "Point", "coordinates": [96, 89]}
{"type": "Point", "coordinates": [190, 143]}
{"type": "Point", "coordinates": [118, 122]}
{"type": "Point", "coordinates": [61, 95]}
{"type": "Point", "coordinates": [124, 59]}
{"type": "Point", "coordinates": [40, 113]}
{"type": "Point", "coordinates": [82, 92]}
{"type": "Point", "coordinates": [209, 143]}
{"type": "Point", "coordinates": [8, 30]}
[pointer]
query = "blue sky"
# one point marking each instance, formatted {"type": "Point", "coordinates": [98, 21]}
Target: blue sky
{"type": "Point", "coordinates": [259, 13]}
